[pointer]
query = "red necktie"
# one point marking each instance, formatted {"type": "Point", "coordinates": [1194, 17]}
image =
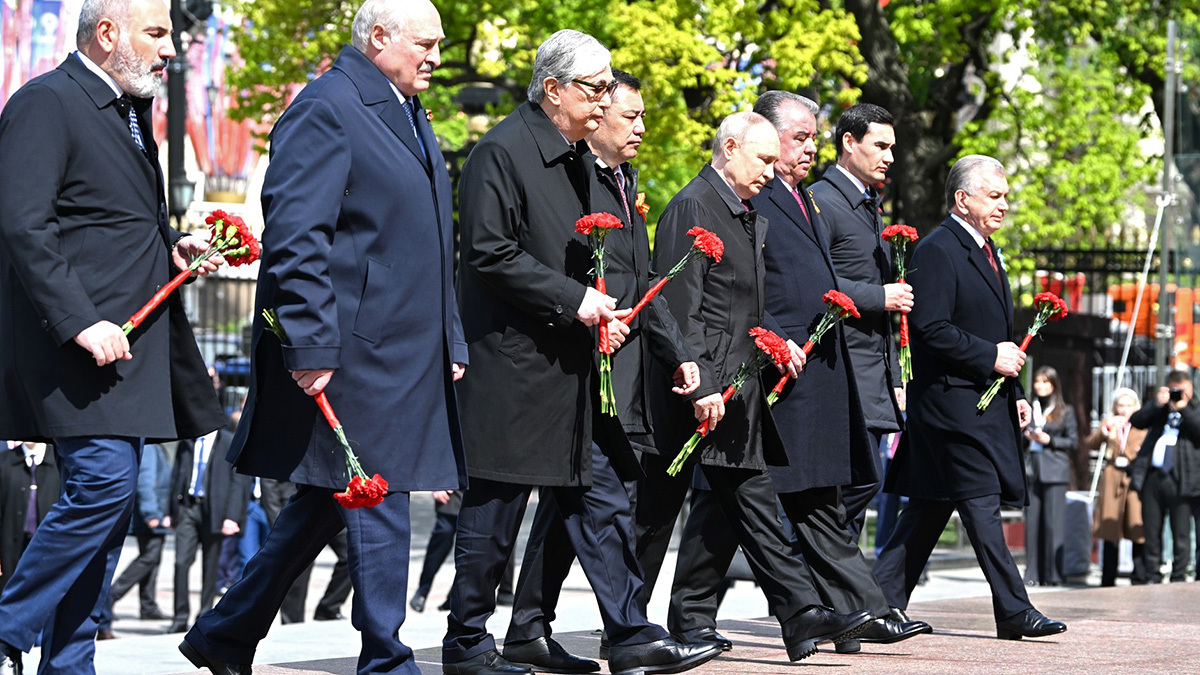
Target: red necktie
{"type": "Point", "coordinates": [800, 201]}
{"type": "Point", "coordinates": [987, 249]}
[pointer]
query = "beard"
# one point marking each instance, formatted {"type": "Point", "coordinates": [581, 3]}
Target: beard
{"type": "Point", "coordinates": [136, 76]}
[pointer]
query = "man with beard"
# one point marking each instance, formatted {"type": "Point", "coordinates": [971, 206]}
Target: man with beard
{"type": "Point", "coordinates": [84, 242]}
{"type": "Point", "coordinates": [530, 405]}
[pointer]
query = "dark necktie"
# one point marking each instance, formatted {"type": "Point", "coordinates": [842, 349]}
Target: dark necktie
{"type": "Point", "coordinates": [412, 121]}
{"type": "Point", "coordinates": [31, 509]}
{"type": "Point", "coordinates": [620, 178]}
{"type": "Point", "coordinates": [135, 129]}
{"type": "Point", "coordinates": [987, 250]}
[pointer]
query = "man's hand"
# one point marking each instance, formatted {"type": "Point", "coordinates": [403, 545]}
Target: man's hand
{"type": "Point", "coordinates": [188, 249]}
{"type": "Point", "coordinates": [901, 398]}
{"type": "Point", "coordinates": [596, 307]}
{"type": "Point", "coordinates": [897, 298]}
{"type": "Point", "coordinates": [1024, 413]}
{"type": "Point", "coordinates": [618, 330]}
{"type": "Point", "coordinates": [229, 528]}
{"type": "Point", "coordinates": [442, 496]}
{"type": "Point", "coordinates": [710, 410]}
{"type": "Point", "coordinates": [312, 382]}
{"type": "Point", "coordinates": [796, 364]}
{"type": "Point", "coordinates": [457, 370]}
{"type": "Point", "coordinates": [686, 378]}
{"type": "Point", "coordinates": [1009, 359]}
{"type": "Point", "coordinates": [105, 341]}
{"type": "Point", "coordinates": [166, 522]}
{"type": "Point", "coordinates": [153, 523]}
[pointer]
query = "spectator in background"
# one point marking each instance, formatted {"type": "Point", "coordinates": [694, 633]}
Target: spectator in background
{"type": "Point", "coordinates": [1050, 440]}
{"type": "Point", "coordinates": [1118, 511]}
{"type": "Point", "coordinates": [149, 526]}
{"type": "Point", "coordinates": [29, 486]}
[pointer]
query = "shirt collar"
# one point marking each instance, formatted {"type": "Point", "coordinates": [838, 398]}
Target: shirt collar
{"type": "Point", "coordinates": [853, 179]}
{"type": "Point", "coordinates": [979, 239]}
{"type": "Point", "coordinates": [91, 65]}
{"type": "Point", "coordinates": [396, 91]}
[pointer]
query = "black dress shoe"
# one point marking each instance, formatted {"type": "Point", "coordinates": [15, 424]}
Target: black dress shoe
{"type": "Point", "coordinates": [217, 667]}
{"type": "Point", "coordinates": [487, 663]}
{"type": "Point", "coordinates": [815, 625]}
{"type": "Point", "coordinates": [700, 635]}
{"type": "Point", "coordinates": [155, 614]}
{"type": "Point", "coordinates": [605, 648]}
{"type": "Point", "coordinates": [1030, 623]}
{"type": "Point", "coordinates": [546, 656]}
{"type": "Point", "coordinates": [851, 646]}
{"type": "Point", "coordinates": [177, 627]}
{"type": "Point", "coordinates": [887, 630]}
{"type": "Point", "coordinates": [105, 634]}
{"type": "Point", "coordinates": [667, 655]}
{"type": "Point", "coordinates": [897, 614]}
{"type": "Point", "coordinates": [10, 659]}
{"type": "Point", "coordinates": [326, 616]}
{"type": "Point", "coordinates": [417, 603]}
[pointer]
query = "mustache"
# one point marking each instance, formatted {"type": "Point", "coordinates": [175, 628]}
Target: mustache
{"type": "Point", "coordinates": [427, 68]}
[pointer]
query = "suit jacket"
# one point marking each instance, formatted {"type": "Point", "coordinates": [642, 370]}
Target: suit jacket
{"type": "Point", "coordinates": [715, 305]}
{"type": "Point", "coordinates": [14, 502]}
{"type": "Point", "coordinates": [627, 277]}
{"type": "Point", "coordinates": [818, 414]}
{"type": "Point", "coordinates": [357, 260]}
{"type": "Point", "coordinates": [953, 451]}
{"type": "Point", "coordinates": [224, 491]}
{"type": "Point", "coordinates": [863, 261]}
{"type": "Point", "coordinates": [529, 399]}
{"type": "Point", "coordinates": [1052, 464]}
{"type": "Point", "coordinates": [84, 237]}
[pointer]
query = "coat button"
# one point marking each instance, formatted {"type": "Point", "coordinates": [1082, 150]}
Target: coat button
{"type": "Point", "coordinates": [45, 323]}
{"type": "Point", "coordinates": [347, 193]}
{"type": "Point", "coordinates": [558, 309]}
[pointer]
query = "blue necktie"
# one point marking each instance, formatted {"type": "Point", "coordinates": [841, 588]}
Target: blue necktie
{"type": "Point", "coordinates": [408, 110]}
{"type": "Point", "coordinates": [134, 129]}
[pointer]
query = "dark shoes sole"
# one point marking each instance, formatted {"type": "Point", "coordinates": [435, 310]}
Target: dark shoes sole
{"type": "Point", "coordinates": [806, 648]}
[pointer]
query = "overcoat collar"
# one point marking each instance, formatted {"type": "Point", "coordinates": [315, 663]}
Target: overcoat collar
{"type": "Point", "coordinates": [847, 187]}
{"type": "Point", "coordinates": [979, 261]}
{"type": "Point", "coordinates": [548, 138]}
{"type": "Point", "coordinates": [722, 188]}
{"type": "Point", "coordinates": [376, 92]}
{"type": "Point", "coordinates": [102, 96]}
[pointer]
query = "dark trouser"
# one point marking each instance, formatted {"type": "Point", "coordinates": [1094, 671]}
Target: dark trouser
{"type": "Point", "coordinates": [659, 500]}
{"type": "Point", "coordinates": [143, 572]}
{"type": "Point", "coordinates": [192, 531]}
{"type": "Point", "coordinates": [743, 501]}
{"type": "Point", "coordinates": [1044, 524]}
{"type": "Point", "coordinates": [60, 586]}
{"type": "Point", "coordinates": [339, 582]}
{"type": "Point", "coordinates": [1111, 557]}
{"type": "Point", "coordinates": [229, 566]}
{"type": "Point", "coordinates": [1160, 500]}
{"type": "Point", "coordinates": [377, 545]}
{"type": "Point", "coordinates": [921, 523]}
{"type": "Point", "coordinates": [549, 556]}
{"type": "Point", "coordinates": [487, 531]}
{"type": "Point", "coordinates": [857, 498]}
{"type": "Point", "coordinates": [441, 542]}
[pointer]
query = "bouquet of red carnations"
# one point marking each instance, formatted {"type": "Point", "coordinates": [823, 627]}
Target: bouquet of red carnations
{"type": "Point", "coordinates": [705, 244]}
{"type": "Point", "coordinates": [1050, 308]}
{"type": "Point", "coordinates": [899, 236]}
{"type": "Point", "coordinates": [597, 226]}
{"type": "Point", "coordinates": [839, 306]}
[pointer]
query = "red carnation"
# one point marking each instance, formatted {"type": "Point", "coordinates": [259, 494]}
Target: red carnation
{"type": "Point", "coordinates": [363, 493]}
{"type": "Point", "coordinates": [899, 230]}
{"type": "Point", "coordinates": [1050, 307]}
{"type": "Point", "coordinates": [1055, 306]}
{"type": "Point", "coordinates": [772, 345]}
{"type": "Point", "coordinates": [841, 302]}
{"type": "Point", "coordinates": [598, 221]}
{"type": "Point", "coordinates": [707, 242]}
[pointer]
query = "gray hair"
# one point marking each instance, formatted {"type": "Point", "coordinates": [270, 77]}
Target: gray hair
{"type": "Point", "coordinates": [1118, 394]}
{"type": "Point", "coordinates": [736, 126]}
{"type": "Point", "coordinates": [384, 13]}
{"type": "Point", "coordinates": [564, 56]}
{"type": "Point", "coordinates": [768, 105]}
{"type": "Point", "coordinates": [90, 15]}
{"type": "Point", "coordinates": [965, 173]}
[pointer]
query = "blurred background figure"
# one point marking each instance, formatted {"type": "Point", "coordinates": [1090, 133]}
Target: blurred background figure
{"type": "Point", "coordinates": [1117, 513]}
{"type": "Point", "coordinates": [1050, 440]}
{"type": "Point", "coordinates": [29, 486]}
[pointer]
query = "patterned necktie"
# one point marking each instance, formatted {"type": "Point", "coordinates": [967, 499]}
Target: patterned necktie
{"type": "Point", "coordinates": [135, 129]}
{"type": "Point", "coordinates": [412, 121]}
{"type": "Point", "coordinates": [987, 249]}
{"type": "Point", "coordinates": [620, 178]}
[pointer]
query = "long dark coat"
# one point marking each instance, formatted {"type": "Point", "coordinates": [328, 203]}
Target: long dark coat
{"type": "Point", "coordinates": [357, 259]}
{"type": "Point", "coordinates": [863, 261]}
{"type": "Point", "coordinates": [1052, 465]}
{"type": "Point", "coordinates": [14, 501]}
{"type": "Point", "coordinates": [818, 414]}
{"type": "Point", "coordinates": [529, 397]}
{"type": "Point", "coordinates": [716, 305]}
{"type": "Point", "coordinates": [627, 277]}
{"type": "Point", "coordinates": [225, 492]}
{"type": "Point", "coordinates": [84, 237]}
{"type": "Point", "coordinates": [953, 451]}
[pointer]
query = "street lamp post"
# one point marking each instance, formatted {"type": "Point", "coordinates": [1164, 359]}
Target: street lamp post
{"type": "Point", "coordinates": [179, 188]}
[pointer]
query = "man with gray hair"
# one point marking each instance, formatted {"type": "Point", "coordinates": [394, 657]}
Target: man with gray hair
{"type": "Point", "coordinates": [955, 456]}
{"type": "Point", "coordinates": [530, 405]}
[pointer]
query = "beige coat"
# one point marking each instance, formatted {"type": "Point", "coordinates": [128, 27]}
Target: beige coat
{"type": "Point", "coordinates": [1118, 511]}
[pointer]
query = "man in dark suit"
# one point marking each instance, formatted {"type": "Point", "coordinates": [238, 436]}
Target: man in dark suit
{"type": "Point", "coordinates": [530, 415]}
{"type": "Point", "coordinates": [29, 487]}
{"type": "Point", "coordinates": [716, 304]}
{"type": "Point", "coordinates": [848, 202]}
{"type": "Point", "coordinates": [955, 456]}
{"type": "Point", "coordinates": [549, 554]}
{"type": "Point", "coordinates": [357, 261]}
{"type": "Point", "coordinates": [208, 503]}
{"type": "Point", "coordinates": [84, 242]}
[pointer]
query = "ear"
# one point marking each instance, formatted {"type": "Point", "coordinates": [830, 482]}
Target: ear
{"type": "Point", "coordinates": [728, 147]}
{"type": "Point", "coordinates": [848, 142]}
{"type": "Point", "coordinates": [379, 37]}
{"type": "Point", "coordinates": [108, 34]}
{"type": "Point", "coordinates": [960, 202]}
{"type": "Point", "coordinates": [553, 89]}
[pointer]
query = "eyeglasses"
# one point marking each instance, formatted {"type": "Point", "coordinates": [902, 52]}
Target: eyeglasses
{"type": "Point", "coordinates": [598, 91]}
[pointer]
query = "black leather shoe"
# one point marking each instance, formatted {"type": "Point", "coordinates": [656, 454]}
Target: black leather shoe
{"type": "Point", "coordinates": [851, 646]}
{"type": "Point", "coordinates": [897, 614]}
{"type": "Point", "coordinates": [202, 660]}
{"type": "Point", "coordinates": [177, 627]}
{"type": "Point", "coordinates": [887, 630]}
{"type": "Point", "coordinates": [445, 606]}
{"type": "Point", "coordinates": [700, 635]}
{"type": "Point", "coordinates": [816, 625]}
{"type": "Point", "coordinates": [155, 614]}
{"type": "Point", "coordinates": [667, 655]}
{"type": "Point", "coordinates": [10, 660]}
{"type": "Point", "coordinates": [1030, 623]}
{"type": "Point", "coordinates": [487, 663]}
{"type": "Point", "coordinates": [546, 656]}
{"type": "Point", "coordinates": [326, 616]}
{"type": "Point", "coordinates": [417, 603]}
{"type": "Point", "coordinates": [605, 648]}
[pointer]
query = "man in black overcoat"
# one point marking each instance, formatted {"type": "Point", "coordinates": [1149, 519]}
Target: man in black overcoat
{"type": "Point", "coordinates": [818, 415]}
{"type": "Point", "coordinates": [653, 333]}
{"type": "Point", "coordinates": [84, 243]}
{"type": "Point", "coordinates": [716, 304]}
{"type": "Point", "coordinates": [28, 477]}
{"type": "Point", "coordinates": [358, 262]}
{"type": "Point", "coordinates": [530, 415]}
{"type": "Point", "coordinates": [848, 204]}
{"type": "Point", "coordinates": [955, 456]}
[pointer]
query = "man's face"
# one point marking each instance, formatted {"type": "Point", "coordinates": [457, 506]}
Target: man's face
{"type": "Point", "coordinates": [797, 142]}
{"type": "Point", "coordinates": [750, 164]}
{"type": "Point", "coordinates": [409, 57]}
{"type": "Point", "coordinates": [142, 48]}
{"type": "Point", "coordinates": [620, 131]}
{"type": "Point", "coordinates": [985, 206]}
{"type": "Point", "coordinates": [583, 101]}
{"type": "Point", "coordinates": [868, 160]}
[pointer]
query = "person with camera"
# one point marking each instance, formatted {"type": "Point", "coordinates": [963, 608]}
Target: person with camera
{"type": "Point", "coordinates": [1050, 441]}
{"type": "Point", "coordinates": [1166, 472]}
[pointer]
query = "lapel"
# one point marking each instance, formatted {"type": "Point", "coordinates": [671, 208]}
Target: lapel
{"type": "Point", "coordinates": [779, 193]}
{"type": "Point", "coordinates": [978, 260]}
{"type": "Point", "coordinates": [376, 93]}
{"type": "Point", "coordinates": [103, 98]}
{"type": "Point", "coordinates": [554, 149]}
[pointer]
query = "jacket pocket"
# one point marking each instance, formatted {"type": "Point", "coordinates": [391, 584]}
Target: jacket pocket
{"type": "Point", "coordinates": [371, 317]}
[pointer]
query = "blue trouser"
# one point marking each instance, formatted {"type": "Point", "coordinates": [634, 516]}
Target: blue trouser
{"type": "Point", "coordinates": [254, 534]}
{"type": "Point", "coordinates": [60, 587]}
